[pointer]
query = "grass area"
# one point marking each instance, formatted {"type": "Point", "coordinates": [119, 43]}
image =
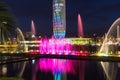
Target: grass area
{"type": "Point", "coordinates": [10, 78]}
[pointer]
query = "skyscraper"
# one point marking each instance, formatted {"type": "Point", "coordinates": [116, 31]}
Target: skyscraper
{"type": "Point", "coordinates": [59, 18]}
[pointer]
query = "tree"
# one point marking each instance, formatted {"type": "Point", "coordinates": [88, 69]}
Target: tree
{"type": "Point", "coordinates": [8, 23]}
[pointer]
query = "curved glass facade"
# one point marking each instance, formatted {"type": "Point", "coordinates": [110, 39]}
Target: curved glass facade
{"type": "Point", "coordinates": [59, 18]}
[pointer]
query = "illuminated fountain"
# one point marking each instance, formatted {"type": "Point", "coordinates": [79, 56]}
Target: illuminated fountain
{"type": "Point", "coordinates": [20, 36]}
{"type": "Point", "coordinates": [80, 27]}
{"type": "Point", "coordinates": [109, 47]}
{"type": "Point", "coordinates": [55, 46]}
{"type": "Point", "coordinates": [111, 37]}
{"type": "Point", "coordinates": [33, 28]}
{"type": "Point", "coordinates": [65, 46]}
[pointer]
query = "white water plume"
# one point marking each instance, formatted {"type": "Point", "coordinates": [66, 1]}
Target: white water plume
{"type": "Point", "coordinates": [110, 68]}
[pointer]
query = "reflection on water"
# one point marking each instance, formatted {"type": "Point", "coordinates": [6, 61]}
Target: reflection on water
{"type": "Point", "coordinates": [110, 70]}
{"type": "Point", "coordinates": [57, 65]}
{"type": "Point", "coordinates": [60, 69]}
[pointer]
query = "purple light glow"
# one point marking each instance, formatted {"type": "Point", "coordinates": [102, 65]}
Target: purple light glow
{"type": "Point", "coordinates": [56, 65]}
{"type": "Point", "coordinates": [61, 47]}
{"type": "Point", "coordinates": [55, 46]}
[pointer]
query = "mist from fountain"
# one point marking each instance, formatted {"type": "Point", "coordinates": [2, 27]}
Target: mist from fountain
{"type": "Point", "coordinates": [110, 68]}
{"type": "Point", "coordinates": [80, 27]}
{"type": "Point", "coordinates": [33, 28]}
{"type": "Point", "coordinates": [20, 36]}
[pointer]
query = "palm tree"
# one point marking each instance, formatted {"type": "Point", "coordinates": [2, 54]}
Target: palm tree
{"type": "Point", "coordinates": [8, 23]}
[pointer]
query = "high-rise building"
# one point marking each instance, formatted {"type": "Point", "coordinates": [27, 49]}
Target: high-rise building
{"type": "Point", "coordinates": [59, 18]}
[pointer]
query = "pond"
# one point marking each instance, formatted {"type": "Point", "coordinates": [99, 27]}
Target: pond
{"type": "Point", "coordinates": [60, 69]}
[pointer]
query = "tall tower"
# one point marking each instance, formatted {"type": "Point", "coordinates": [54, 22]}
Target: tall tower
{"type": "Point", "coordinates": [59, 18]}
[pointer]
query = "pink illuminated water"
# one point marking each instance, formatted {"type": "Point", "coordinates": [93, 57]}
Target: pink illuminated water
{"type": "Point", "coordinates": [59, 66]}
{"type": "Point", "coordinates": [56, 65]}
{"type": "Point", "coordinates": [61, 47]}
{"type": "Point", "coordinates": [80, 27]}
{"type": "Point", "coordinates": [55, 46]}
{"type": "Point", "coordinates": [33, 28]}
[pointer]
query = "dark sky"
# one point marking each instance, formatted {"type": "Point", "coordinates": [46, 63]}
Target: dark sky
{"type": "Point", "coordinates": [97, 15]}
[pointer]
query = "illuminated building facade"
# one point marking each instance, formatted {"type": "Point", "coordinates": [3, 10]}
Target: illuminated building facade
{"type": "Point", "coordinates": [59, 18]}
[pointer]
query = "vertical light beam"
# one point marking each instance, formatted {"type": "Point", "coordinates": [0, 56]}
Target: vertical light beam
{"type": "Point", "coordinates": [80, 27]}
{"type": "Point", "coordinates": [33, 28]}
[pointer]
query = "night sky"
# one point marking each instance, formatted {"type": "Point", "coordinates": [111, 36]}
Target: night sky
{"type": "Point", "coordinates": [97, 15]}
